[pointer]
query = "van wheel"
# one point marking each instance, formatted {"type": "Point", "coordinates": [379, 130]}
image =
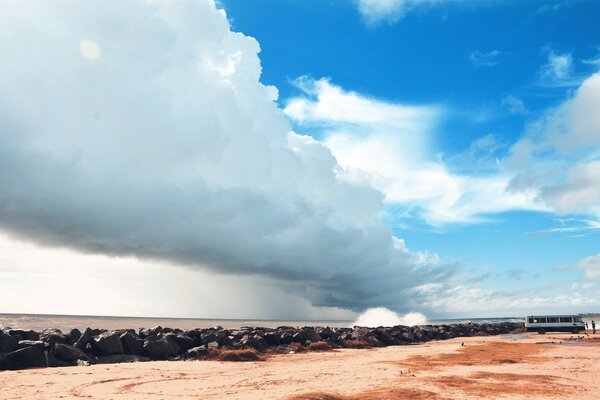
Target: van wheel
{"type": "Point", "coordinates": [575, 331]}
{"type": "Point", "coordinates": [541, 331]}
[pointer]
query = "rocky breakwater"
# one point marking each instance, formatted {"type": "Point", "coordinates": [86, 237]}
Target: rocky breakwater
{"type": "Point", "coordinates": [21, 349]}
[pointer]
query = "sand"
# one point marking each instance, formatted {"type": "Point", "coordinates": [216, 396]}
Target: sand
{"type": "Point", "coordinates": [530, 366]}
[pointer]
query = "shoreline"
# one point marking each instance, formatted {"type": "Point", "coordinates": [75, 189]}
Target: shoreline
{"type": "Point", "coordinates": [525, 366]}
{"type": "Point", "coordinates": [22, 349]}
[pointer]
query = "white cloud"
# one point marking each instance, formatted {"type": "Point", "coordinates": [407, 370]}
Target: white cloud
{"type": "Point", "coordinates": [485, 59]}
{"type": "Point", "coordinates": [391, 11]}
{"type": "Point", "coordinates": [559, 157]}
{"type": "Point", "coordinates": [558, 70]}
{"type": "Point", "coordinates": [591, 266]}
{"type": "Point", "coordinates": [515, 104]}
{"type": "Point", "coordinates": [391, 148]}
{"type": "Point", "coordinates": [168, 148]}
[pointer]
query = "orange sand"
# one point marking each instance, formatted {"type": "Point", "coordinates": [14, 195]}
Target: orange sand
{"type": "Point", "coordinates": [485, 367]}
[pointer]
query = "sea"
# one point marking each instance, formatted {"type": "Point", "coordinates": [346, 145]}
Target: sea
{"type": "Point", "coordinates": [38, 322]}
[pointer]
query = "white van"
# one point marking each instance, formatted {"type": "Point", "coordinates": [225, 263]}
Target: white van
{"type": "Point", "coordinates": [554, 323]}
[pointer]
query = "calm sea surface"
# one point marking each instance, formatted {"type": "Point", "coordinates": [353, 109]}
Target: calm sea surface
{"type": "Point", "coordinates": [66, 322]}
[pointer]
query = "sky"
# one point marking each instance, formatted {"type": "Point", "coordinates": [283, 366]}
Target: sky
{"type": "Point", "coordinates": [299, 159]}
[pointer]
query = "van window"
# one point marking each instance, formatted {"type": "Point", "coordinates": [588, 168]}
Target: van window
{"type": "Point", "coordinates": [577, 319]}
{"type": "Point", "coordinates": [566, 319]}
{"type": "Point", "coordinates": [541, 320]}
{"type": "Point", "coordinates": [531, 320]}
{"type": "Point", "coordinates": [552, 319]}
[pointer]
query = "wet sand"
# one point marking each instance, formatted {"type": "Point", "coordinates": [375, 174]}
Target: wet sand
{"type": "Point", "coordinates": [531, 366]}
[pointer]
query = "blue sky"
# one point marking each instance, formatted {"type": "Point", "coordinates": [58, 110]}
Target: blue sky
{"type": "Point", "coordinates": [300, 159]}
{"type": "Point", "coordinates": [487, 64]}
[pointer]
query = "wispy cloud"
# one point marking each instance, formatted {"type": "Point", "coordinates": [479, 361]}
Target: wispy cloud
{"type": "Point", "coordinates": [559, 70]}
{"type": "Point", "coordinates": [485, 59]}
{"type": "Point", "coordinates": [591, 266]}
{"type": "Point", "coordinates": [390, 147]}
{"type": "Point", "coordinates": [514, 104]}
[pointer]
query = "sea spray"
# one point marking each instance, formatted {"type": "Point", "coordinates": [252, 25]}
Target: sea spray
{"type": "Point", "coordinates": [381, 316]}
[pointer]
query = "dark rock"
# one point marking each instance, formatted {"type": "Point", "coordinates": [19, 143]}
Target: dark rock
{"type": "Point", "coordinates": [64, 352]}
{"type": "Point", "coordinates": [53, 362]}
{"type": "Point", "coordinates": [285, 338]}
{"type": "Point", "coordinates": [256, 342]}
{"type": "Point", "coordinates": [24, 335]}
{"type": "Point", "coordinates": [107, 343]}
{"type": "Point", "coordinates": [196, 352]}
{"type": "Point", "coordinates": [184, 342]}
{"type": "Point", "coordinates": [132, 344]}
{"type": "Point", "coordinates": [272, 339]}
{"type": "Point", "coordinates": [29, 343]}
{"type": "Point", "coordinates": [121, 358]}
{"type": "Point", "coordinates": [298, 338]}
{"type": "Point", "coordinates": [160, 349]}
{"type": "Point", "coordinates": [8, 343]}
{"type": "Point", "coordinates": [84, 339]}
{"type": "Point", "coordinates": [52, 336]}
{"type": "Point", "coordinates": [27, 357]}
{"type": "Point", "coordinates": [73, 336]}
{"type": "Point", "coordinates": [312, 335]}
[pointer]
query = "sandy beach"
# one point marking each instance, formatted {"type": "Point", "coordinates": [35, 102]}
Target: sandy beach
{"type": "Point", "coordinates": [528, 366]}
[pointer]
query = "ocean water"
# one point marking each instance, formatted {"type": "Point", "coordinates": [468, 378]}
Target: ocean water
{"type": "Point", "coordinates": [66, 322]}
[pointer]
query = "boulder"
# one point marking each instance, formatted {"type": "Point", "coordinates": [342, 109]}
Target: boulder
{"type": "Point", "coordinates": [27, 357]}
{"type": "Point", "coordinates": [28, 343]}
{"type": "Point", "coordinates": [196, 352]}
{"type": "Point", "coordinates": [73, 336]}
{"type": "Point", "coordinates": [8, 343]}
{"type": "Point", "coordinates": [160, 349]}
{"type": "Point", "coordinates": [298, 338]}
{"type": "Point", "coordinates": [107, 343]}
{"type": "Point", "coordinates": [256, 342]}
{"type": "Point", "coordinates": [272, 338]}
{"type": "Point", "coordinates": [184, 342]}
{"type": "Point", "coordinates": [132, 344]}
{"type": "Point", "coordinates": [84, 339]}
{"type": "Point", "coordinates": [285, 338]}
{"type": "Point", "coordinates": [52, 336]}
{"type": "Point", "coordinates": [24, 334]}
{"type": "Point", "coordinates": [212, 345]}
{"type": "Point", "coordinates": [312, 335]}
{"type": "Point", "coordinates": [65, 352]}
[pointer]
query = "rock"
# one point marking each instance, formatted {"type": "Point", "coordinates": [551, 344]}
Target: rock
{"type": "Point", "coordinates": [132, 344]}
{"type": "Point", "coordinates": [8, 343]}
{"type": "Point", "coordinates": [161, 349]}
{"type": "Point", "coordinates": [121, 358]}
{"type": "Point", "coordinates": [107, 343]}
{"type": "Point", "coordinates": [196, 352]}
{"type": "Point", "coordinates": [184, 342]}
{"type": "Point", "coordinates": [84, 339]}
{"type": "Point", "coordinates": [256, 342]}
{"type": "Point", "coordinates": [298, 338]}
{"type": "Point", "coordinates": [28, 343]}
{"type": "Point", "coordinates": [52, 336]}
{"type": "Point", "coordinates": [65, 352]}
{"type": "Point", "coordinates": [212, 345]}
{"type": "Point", "coordinates": [285, 338]}
{"type": "Point", "coordinates": [312, 335]}
{"type": "Point", "coordinates": [27, 357]}
{"type": "Point", "coordinates": [24, 335]}
{"type": "Point", "coordinates": [73, 336]}
{"type": "Point", "coordinates": [272, 338]}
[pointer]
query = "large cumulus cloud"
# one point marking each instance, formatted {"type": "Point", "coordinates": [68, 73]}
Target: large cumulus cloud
{"type": "Point", "coordinates": [141, 128]}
